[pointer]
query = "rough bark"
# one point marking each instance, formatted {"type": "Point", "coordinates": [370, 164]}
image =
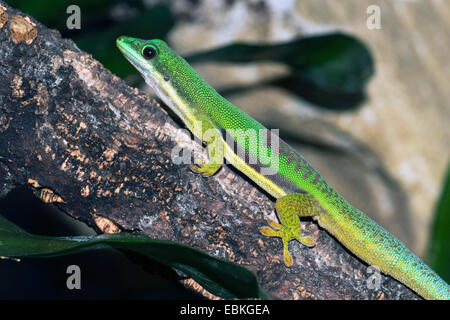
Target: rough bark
{"type": "Point", "coordinates": [103, 149]}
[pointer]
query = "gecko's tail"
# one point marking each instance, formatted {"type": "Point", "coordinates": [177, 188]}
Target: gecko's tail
{"type": "Point", "coordinates": [376, 246]}
{"type": "Point", "coordinates": [424, 280]}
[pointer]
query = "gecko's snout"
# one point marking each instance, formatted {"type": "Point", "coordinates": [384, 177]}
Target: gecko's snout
{"type": "Point", "coordinates": [120, 40]}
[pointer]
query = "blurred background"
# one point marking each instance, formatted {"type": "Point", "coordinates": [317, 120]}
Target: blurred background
{"type": "Point", "coordinates": [360, 88]}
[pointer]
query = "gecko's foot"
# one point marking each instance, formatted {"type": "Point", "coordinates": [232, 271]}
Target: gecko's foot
{"type": "Point", "coordinates": [286, 235]}
{"type": "Point", "coordinates": [206, 169]}
{"type": "Point", "coordinates": [288, 261]}
{"type": "Point", "coordinates": [289, 208]}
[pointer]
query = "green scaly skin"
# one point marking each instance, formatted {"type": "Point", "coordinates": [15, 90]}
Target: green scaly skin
{"type": "Point", "coordinates": [299, 189]}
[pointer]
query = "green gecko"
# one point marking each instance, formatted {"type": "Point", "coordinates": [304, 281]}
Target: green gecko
{"type": "Point", "coordinates": [300, 190]}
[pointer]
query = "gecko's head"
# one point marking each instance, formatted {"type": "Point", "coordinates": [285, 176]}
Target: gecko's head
{"type": "Point", "coordinates": [163, 69]}
{"type": "Point", "coordinates": [152, 58]}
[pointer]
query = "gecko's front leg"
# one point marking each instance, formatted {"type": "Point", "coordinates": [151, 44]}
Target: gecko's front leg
{"type": "Point", "coordinates": [214, 146]}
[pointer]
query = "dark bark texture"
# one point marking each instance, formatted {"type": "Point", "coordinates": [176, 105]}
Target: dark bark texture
{"type": "Point", "coordinates": [103, 149]}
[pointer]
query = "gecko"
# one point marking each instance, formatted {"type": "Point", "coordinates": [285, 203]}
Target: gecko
{"type": "Point", "coordinates": [300, 191]}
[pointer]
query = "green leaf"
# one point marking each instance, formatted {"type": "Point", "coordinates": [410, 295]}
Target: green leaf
{"type": "Point", "coordinates": [324, 68]}
{"type": "Point", "coordinates": [102, 43]}
{"type": "Point", "coordinates": [219, 277]}
{"type": "Point", "coordinates": [439, 252]}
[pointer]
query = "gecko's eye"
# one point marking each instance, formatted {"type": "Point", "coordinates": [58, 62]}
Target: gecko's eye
{"type": "Point", "coordinates": [148, 52]}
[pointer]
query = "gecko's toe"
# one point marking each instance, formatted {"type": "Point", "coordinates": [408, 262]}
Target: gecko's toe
{"type": "Point", "coordinates": [288, 261]}
{"type": "Point", "coordinates": [206, 169]}
{"type": "Point", "coordinates": [307, 241]}
{"type": "Point", "coordinates": [269, 232]}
